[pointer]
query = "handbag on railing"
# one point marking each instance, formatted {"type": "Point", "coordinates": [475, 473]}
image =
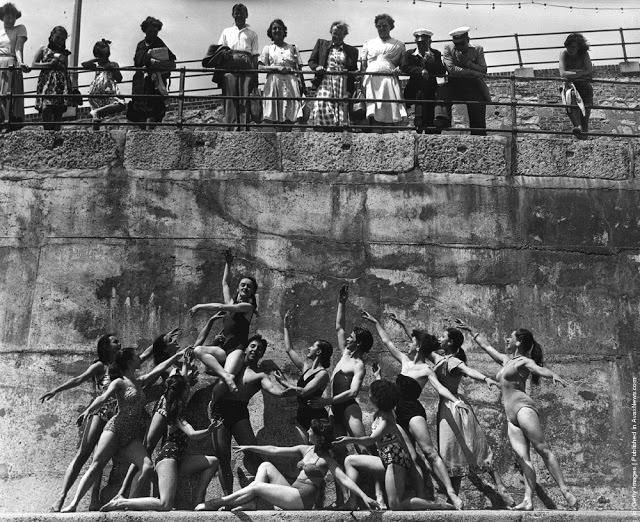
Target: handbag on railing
{"type": "Point", "coordinates": [255, 105]}
{"type": "Point", "coordinates": [357, 105]}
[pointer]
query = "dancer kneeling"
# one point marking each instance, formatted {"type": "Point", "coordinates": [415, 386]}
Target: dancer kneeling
{"type": "Point", "coordinates": [172, 461]}
{"type": "Point", "coordinates": [394, 462]}
{"type": "Point", "coordinates": [272, 486]}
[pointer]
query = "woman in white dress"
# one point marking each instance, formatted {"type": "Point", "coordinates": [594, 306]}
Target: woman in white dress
{"type": "Point", "coordinates": [281, 60]}
{"type": "Point", "coordinates": [12, 39]}
{"type": "Point", "coordinates": [382, 55]}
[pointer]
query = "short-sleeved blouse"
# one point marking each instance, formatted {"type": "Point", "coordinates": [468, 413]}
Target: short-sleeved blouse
{"type": "Point", "coordinates": [384, 54]}
{"type": "Point", "coordinates": [285, 56]}
{"type": "Point", "coordinates": [9, 37]}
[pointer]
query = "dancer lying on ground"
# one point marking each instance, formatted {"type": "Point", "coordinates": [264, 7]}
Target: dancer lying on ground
{"type": "Point", "coordinates": [224, 358]}
{"type": "Point", "coordinates": [172, 462]}
{"type": "Point", "coordinates": [271, 486]}
{"type": "Point", "coordinates": [414, 374]}
{"type": "Point", "coordinates": [394, 461]}
{"type": "Point", "coordinates": [313, 380]}
{"type": "Point", "coordinates": [98, 374]}
{"type": "Point", "coordinates": [125, 430]}
{"type": "Point", "coordinates": [524, 358]}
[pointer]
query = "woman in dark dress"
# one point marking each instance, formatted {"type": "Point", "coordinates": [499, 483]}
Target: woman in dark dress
{"type": "Point", "coordinates": [575, 67]}
{"type": "Point", "coordinates": [152, 54]}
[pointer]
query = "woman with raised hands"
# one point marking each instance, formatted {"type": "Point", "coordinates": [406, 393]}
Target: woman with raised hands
{"type": "Point", "coordinates": [97, 373]}
{"type": "Point", "coordinates": [270, 485]}
{"type": "Point", "coordinates": [125, 430]}
{"type": "Point", "coordinates": [414, 374]}
{"type": "Point", "coordinates": [524, 359]}
{"type": "Point", "coordinates": [314, 378]}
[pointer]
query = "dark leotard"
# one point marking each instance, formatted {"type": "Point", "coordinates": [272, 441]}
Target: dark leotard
{"type": "Point", "coordinates": [309, 481]}
{"type": "Point", "coordinates": [408, 405]}
{"type": "Point", "coordinates": [512, 380]}
{"type": "Point", "coordinates": [306, 413]}
{"type": "Point", "coordinates": [235, 330]}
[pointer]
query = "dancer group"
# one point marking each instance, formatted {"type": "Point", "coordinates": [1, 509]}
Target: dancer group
{"type": "Point", "coordinates": [395, 456]}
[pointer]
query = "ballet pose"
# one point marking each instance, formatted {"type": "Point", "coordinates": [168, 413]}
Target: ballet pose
{"type": "Point", "coordinates": [125, 430]}
{"type": "Point", "coordinates": [414, 374]}
{"type": "Point", "coordinates": [97, 373]}
{"type": "Point", "coordinates": [524, 359]}
{"type": "Point", "coordinates": [316, 460]}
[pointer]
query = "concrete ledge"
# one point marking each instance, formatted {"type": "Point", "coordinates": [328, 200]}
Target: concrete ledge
{"type": "Point", "coordinates": [579, 159]}
{"type": "Point", "coordinates": [463, 154]}
{"type": "Point", "coordinates": [328, 516]}
{"type": "Point", "coordinates": [67, 150]}
{"type": "Point", "coordinates": [345, 152]}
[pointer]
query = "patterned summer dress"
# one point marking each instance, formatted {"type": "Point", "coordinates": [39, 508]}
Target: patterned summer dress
{"type": "Point", "coordinates": [104, 83]}
{"type": "Point", "coordinates": [52, 81]}
{"type": "Point", "coordinates": [332, 113]}
{"type": "Point", "coordinates": [285, 85]}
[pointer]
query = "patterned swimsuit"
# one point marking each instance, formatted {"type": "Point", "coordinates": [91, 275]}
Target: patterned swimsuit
{"type": "Point", "coordinates": [128, 423]}
{"type": "Point", "coordinates": [109, 409]}
{"type": "Point", "coordinates": [390, 450]}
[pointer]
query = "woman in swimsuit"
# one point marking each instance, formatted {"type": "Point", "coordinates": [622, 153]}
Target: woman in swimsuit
{"type": "Point", "coordinates": [313, 380]}
{"type": "Point", "coordinates": [394, 460]}
{"type": "Point", "coordinates": [97, 373]}
{"type": "Point", "coordinates": [413, 377]}
{"type": "Point", "coordinates": [225, 357]}
{"type": "Point", "coordinates": [524, 358]}
{"type": "Point", "coordinates": [272, 486]}
{"type": "Point", "coordinates": [125, 430]}
{"type": "Point", "coordinates": [172, 462]}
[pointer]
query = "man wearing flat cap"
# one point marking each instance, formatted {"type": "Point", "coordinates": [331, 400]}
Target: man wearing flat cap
{"type": "Point", "coordinates": [423, 65]}
{"type": "Point", "coordinates": [466, 68]}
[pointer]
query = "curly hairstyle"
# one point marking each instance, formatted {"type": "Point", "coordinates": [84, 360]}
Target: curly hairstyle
{"type": "Point", "coordinates": [427, 343]}
{"type": "Point", "coordinates": [102, 48]}
{"type": "Point", "coordinates": [177, 386]}
{"type": "Point", "coordinates": [457, 338]}
{"type": "Point", "coordinates": [364, 339]}
{"type": "Point", "coordinates": [323, 429]}
{"type": "Point", "coordinates": [260, 340]}
{"type": "Point", "coordinates": [531, 349]}
{"type": "Point", "coordinates": [254, 301]}
{"type": "Point", "coordinates": [9, 8]}
{"type": "Point", "coordinates": [326, 351]}
{"type": "Point", "coordinates": [150, 21]}
{"type": "Point", "coordinates": [343, 26]}
{"type": "Point", "coordinates": [579, 40]}
{"type": "Point", "coordinates": [278, 22]}
{"type": "Point", "coordinates": [384, 394]}
{"type": "Point", "coordinates": [385, 16]}
{"type": "Point", "coordinates": [104, 349]}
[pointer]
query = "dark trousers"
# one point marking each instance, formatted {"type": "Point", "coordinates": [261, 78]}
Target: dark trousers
{"type": "Point", "coordinates": [467, 89]}
{"type": "Point", "coordinates": [425, 113]}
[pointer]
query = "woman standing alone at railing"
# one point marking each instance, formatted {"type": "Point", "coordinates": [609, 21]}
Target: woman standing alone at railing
{"type": "Point", "coordinates": [575, 67]}
{"type": "Point", "coordinates": [12, 39]}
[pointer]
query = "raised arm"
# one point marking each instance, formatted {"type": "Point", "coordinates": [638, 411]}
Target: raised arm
{"type": "Point", "coordinates": [401, 324]}
{"type": "Point", "coordinates": [283, 451]}
{"type": "Point", "coordinates": [341, 316]}
{"type": "Point", "coordinates": [543, 372]}
{"type": "Point", "coordinates": [226, 277]}
{"type": "Point", "coordinates": [386, 340]}
{"type": "Point", "coordinates": [295, 358]}
{"type": "Point", "coordinates": [148, 378]}
{"type": "Point", "coordinates": [97, 368]}
{"type": "Point", "coordinates": [345, 481]}
{"type": "Point", "coordinates": [498, 357]}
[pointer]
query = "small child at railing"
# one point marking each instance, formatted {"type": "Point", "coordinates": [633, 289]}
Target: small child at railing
{"type": "Point", "coordinates": [105, 83]}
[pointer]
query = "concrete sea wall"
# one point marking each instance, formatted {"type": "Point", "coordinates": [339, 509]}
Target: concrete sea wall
{"type": "Point", "coordinates": [124, 232]}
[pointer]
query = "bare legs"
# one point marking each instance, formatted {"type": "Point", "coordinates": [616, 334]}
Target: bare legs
{"type": "Point", "coordinates": [530, 432]}
{"type": "Point", "coordinates": [243, 433]}
{"type": "Point", "coordinates": [168, 472]}
{"type": "Point", "coordinates": [90, 437]}
{"type": "Point", "coordinates": [213, 357]}
{"type": "Point", "coordinates": [420, 432]}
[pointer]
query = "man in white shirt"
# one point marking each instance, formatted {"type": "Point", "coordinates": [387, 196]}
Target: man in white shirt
{"type": "Point", "coordinates": [243, 43]}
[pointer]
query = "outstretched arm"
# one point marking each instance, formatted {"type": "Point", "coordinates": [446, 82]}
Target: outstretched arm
{"type": "Point", "coordinates": [366, 440]}
{"type": "Point", "coordinates": [242, 308]}
{"type": "Point", "coordinates": [386, 340]}
{"type": "Point", "coordinates": [100, 400]}
{"type": "Point", "coordinates": [493, 353]}
{"type": "Point", "coordinates": [188, 430]}
{"type": "Point", "coordinates": [401, 324]}
{"type": "Point", "coordinates": [148, 378]}
{"type": "Point", "coordinates": [226, 277]}
{"type": "Point", "coordinates": [544, 372]}
{"type": "Point", "coordinates": [281, 451]}
{"type": "Point", "coordinates": [475, 374]}
{"type": "Point", "coordinates": [277, 390]}
{"type": "Point", "coordinates": [96, 368]}
{"type": "Point", "coordinates": [341, 316]}
{"type": "Point", "coordinates": [443, 392]}
{"type": "Point", "coordinates": [295, 358]}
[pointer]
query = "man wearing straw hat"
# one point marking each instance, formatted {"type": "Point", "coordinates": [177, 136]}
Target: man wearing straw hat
{"type": "Point", "coordinates": [423, 65]}
{"type": "Point", "coordinates": [467, 68]}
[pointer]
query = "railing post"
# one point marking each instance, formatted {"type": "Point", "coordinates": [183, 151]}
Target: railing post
{"type": "Point", "coordinates": [624, 46]}
{"type": "Point", "coordinates": [514, 124]}
{"type": "Point", "coordinates": [518, 49]}
{"type": "Point", "coordinates": [181, 97]}
{"type": "Point", "coordinates": [7, 116]}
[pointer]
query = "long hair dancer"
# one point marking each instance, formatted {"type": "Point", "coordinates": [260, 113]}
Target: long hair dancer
{"type": "Point", "coordinates": [524, 359]}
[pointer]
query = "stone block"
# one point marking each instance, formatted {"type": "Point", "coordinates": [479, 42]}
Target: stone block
{"type": "Point", "coordinates": [629, 67]}
{"type": "Point", "coordinates": [599, 158]}
{"type": "Point", "coordinates": [35, 150]}
{"type": "Point", "coordinates": [346, 152]}
{"type": "Point", "coordinates": [524, 72]}
{"type": "Point", "coordinates": [463, 154]}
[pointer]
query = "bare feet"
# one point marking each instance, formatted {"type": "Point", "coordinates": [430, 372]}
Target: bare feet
{"type": "Point", "coordinates": [249, 506]}
{"type": "Point", "coordinates": [231, 384]}
{"type": "Point", "coordinates": [572, 502]}
{"type": "Point", "coordinates": [113, 504]}
{"type": "Point", "coordinates": [57, 505]}
{"type": "Point", "coordinates": [209, 505]}
{"type": "Point", "coordinates": [456, 501]}
{"type": "Point", "coordinates": [525, 505]}
{"type": "Point", "coordinates": [506, 497]}
{"type": "Point", "coordinates": [69, 509]}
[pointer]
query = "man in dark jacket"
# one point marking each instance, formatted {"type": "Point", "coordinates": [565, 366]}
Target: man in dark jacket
{"type": "Point", "coordinates": [422, 65]}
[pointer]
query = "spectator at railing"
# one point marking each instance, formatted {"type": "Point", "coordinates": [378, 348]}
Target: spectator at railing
{"type": "Point", "coordinates": [12, 39]}
{"type": "Point", "coordinates": [153, 54]}
{"type": "Point", "coordinates": [467, 68]}
{"type": "Point", "coordinates": [422, 65]}
{"type": "Point", "coordinates": [382, 55]}
{"type": "Point", "coordinates": [53, 80]}
{"type": "Point", "coordinates": [243, 42]}
{"type": "Point", "coordinates": [575, 67]}
{"type": "Point", "coordinates": [334, 56]}
{"type": "Point", "coordinates": [105, 82]}
{"type": "Point", "coordinates": [281, 57]}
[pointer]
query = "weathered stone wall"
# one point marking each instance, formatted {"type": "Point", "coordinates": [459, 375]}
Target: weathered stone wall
{"type": "Point", "coordinates": [124, 232]}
